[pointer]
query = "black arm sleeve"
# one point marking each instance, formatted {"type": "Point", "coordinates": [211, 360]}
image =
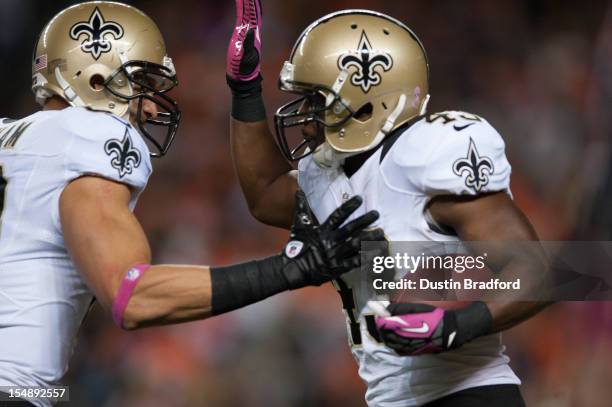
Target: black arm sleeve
{"type": "Point", "coordinates": [242, 284]}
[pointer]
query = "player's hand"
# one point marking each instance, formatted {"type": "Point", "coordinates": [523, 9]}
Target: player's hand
{"type": "Point", "coordinates": [317, 254]}
{"type": "Point", "coordinates": [244, 50]}
{"type": "Point", "coordinates": [416, 329]}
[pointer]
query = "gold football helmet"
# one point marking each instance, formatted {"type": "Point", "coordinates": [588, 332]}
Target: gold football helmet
{"type": "Point", "coordinates": [103, 55]}
{"type": "Point", "coordinates": [361, 74]}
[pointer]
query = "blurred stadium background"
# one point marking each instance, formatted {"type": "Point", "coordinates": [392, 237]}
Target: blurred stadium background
{"type": "Point", "coordinates": [539, 71]}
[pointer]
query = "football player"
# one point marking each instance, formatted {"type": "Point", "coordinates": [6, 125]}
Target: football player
{"type": "Point", "coordinates": [362, 81]}
{"type": "Point", "coordinates": [70, 176]}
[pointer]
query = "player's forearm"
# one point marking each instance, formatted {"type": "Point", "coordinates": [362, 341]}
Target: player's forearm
{"type": "Point", "coordinates": [510, 308]}
{"type": "Point", "coordinates": [497, 227]}
{"type": "Point", "coordinates": [506, 315]}
{"type": "Point", "coordinates": [267, 180]}
{"type": "Point", "coordinates": [155, 295]}
{"type": "Point", "coordinates": [527, 262]}
{"type": "Point", "coordinates": [168, 294]}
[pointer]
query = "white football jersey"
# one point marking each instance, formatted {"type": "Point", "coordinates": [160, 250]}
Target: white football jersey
{"type": "Point", "coordinates": [449, 153]}
{"type": "Point", "coordinates": [43, 299]}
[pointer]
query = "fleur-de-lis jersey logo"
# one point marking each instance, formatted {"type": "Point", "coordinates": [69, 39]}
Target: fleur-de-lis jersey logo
{"type": "Point", "coordinates": [478, 168]}
{"type": "Point", "coordinates": [125, 158]}
{"type": "Point", "coordinates": [96, 31]}
{"type": "Point", "coordinates": [365, 60]}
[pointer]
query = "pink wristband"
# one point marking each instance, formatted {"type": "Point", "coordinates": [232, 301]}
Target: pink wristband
{"type": "Point", "coordinates": [124, 293]}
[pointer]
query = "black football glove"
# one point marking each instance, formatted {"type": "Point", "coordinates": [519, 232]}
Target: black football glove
{"type": "Point", "coordinates": [317, 254]}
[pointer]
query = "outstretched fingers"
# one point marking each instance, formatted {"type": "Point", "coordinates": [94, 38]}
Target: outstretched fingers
{"type": "Point", "coordinates": [357, 226]}
{"type": "Point", "coordinates": [342, 213]}
{"type": "Point", "coordinates": [348, 253]}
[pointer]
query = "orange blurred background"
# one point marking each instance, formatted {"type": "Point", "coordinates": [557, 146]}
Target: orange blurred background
{"type": "Point", "coordinates": [539, 71]}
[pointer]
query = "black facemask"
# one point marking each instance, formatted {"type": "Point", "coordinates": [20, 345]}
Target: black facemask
{"type": "Point", "coordinates": [150, 81]}
{"type": "Point", "coordinates": [310, 108]}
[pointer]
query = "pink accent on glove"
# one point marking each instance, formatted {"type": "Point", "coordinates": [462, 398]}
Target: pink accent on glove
{"type": "Point", "coordinates": [124, 293]}
{"type": "Point", "coordinates": [248, 16]}
{"type": "Point", "coordinates": [421, 325]}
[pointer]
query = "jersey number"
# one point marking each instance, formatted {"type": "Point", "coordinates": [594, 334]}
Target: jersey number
{"type": "Point", "coordinates": [449, 117]}
{"type": "Point", "coordinates": [348, 304]}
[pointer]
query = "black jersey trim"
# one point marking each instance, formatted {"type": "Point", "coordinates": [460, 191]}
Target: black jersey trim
{"type": "Point", "coordinates": [395, 135]}
{"type": "Point", "coordinates": [353, 164]}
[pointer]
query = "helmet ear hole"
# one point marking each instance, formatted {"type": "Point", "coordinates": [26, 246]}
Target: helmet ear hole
{"type": "Point", "coordinates": [364, 113]}
{"type": "Point", "coordinates": [96, 82]}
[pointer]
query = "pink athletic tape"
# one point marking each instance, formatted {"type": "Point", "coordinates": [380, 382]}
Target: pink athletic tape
{"type": "Point", "coordinates": [125, 291]}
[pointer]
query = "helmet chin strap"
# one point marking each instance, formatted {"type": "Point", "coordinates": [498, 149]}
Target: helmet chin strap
{"type": "Point", "coordinates": [123, 57]}
{"type": "Point", "coordinates": [424, 104]}
{"type": "Point", "coordinates": [326, 157]}
{"type": "Point", "coordinates": [69, 94]}
{"type": "Point", "coordinates": [40, 93]}
{"type": "Point", "coordinates": [73, 99]}
{"type": "Point", "coordinates": [389, 123]}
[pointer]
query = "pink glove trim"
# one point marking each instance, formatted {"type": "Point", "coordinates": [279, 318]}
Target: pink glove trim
{"type": "Point", "coordinates": [248, 16]}
{"type": "Point", "coordinates": [124, 293]}
{"type": "Point", "coordinates": [421, 325]}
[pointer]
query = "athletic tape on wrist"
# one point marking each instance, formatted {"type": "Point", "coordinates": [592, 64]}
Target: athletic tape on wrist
{"type": "Point", "coordinates": [126, 288]}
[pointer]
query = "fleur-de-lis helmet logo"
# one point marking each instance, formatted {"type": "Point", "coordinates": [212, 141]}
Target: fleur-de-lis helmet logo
{"type": "Point", "coordinates": [365, 60]}
{"type": "Point", "coordinates": [125, 158]}
{"type": "Point", "coordinates": [478, 168]}
{"type": "Point", "coordinates": [96, 32]}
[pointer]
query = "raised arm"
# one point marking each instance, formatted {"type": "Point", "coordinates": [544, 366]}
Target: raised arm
{"type": "Point", "coordinates": [111, 252]}
{"type": "Point", "coordinates": [267, 180]}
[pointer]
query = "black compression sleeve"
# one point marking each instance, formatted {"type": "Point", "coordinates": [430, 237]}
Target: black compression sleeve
{"type": "Point", "coordinates": [247, 103]}
{"type": "Point", "coordinates": [239, 285]}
